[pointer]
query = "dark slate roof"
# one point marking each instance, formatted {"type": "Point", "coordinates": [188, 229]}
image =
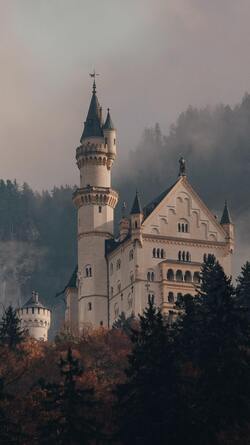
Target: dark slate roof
{"type": "Point", "coordinates": [112, 244]}
{"type": "Point", "coordinates": [73, 279]}
{"type": "Point", "coordinates": [226, 218]}
{"type": "Point", "coordinates": [136, 207]}
{"type": "Point", "coordinates": [149, 208]}
{"type": "Point", "coordinates": [108, 123]}
{"type": "Point", "coordinates": [93, 123]}
{"type": "Point", "coordinates": [34, 302]}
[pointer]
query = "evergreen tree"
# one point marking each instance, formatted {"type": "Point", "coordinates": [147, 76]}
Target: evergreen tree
{"type": "Point", "coordinates": [124, 323]}
{"type": "Point", "coordinates": [11, 333]}
{"type": "Point", "coordinates": [243, 287]}
{"type": "Point", "coordinates": [147, 400]}
{"type": "Point", "coordinates": [68, 408]}
{"type": "Point", "coordinates": [213, 336]}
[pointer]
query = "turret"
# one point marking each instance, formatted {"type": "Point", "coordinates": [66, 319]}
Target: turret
{"type": "Point", "coordinates": [228, 226]}
{"type": "Point", "coordinates": [35, 318]}
{"type": "Point", "coordinates": [95, 201]}
{"type": "Point", "coordinates": [110, 136]}
{"type": "Point", "coordinates": [136, 217]}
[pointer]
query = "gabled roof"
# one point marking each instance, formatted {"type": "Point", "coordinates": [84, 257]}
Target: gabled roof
{"type": "Point", "coordinates": [108, 123]}
{"type": "Point", "coordinates": [93, 123]}
{"type": "Point", "coordinates": [226, 218]}
{"type": "Point", "coordinates": [149, 208]}
{"type": "Point", "coordinates": [136, 207]}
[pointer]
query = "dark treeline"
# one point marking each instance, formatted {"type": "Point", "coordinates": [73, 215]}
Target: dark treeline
{"type": "Point", "coordinates": [145, 381]}
{"type": "Point", "coordinates": [37, 240]}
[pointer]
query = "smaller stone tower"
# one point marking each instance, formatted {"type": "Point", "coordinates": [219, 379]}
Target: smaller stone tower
{"type": "Point", "coordinates": [35, 318]}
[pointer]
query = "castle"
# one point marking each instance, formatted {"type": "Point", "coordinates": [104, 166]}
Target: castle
{"type": "Point", "coordinates": [159, 250]}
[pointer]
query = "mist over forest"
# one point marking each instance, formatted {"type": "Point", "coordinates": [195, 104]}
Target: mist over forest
{"type": "Point", "coordinates": [38, 230]}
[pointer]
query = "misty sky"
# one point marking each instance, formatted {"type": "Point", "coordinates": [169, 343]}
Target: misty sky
{"type": "Point", "coordinates": [155, 58]}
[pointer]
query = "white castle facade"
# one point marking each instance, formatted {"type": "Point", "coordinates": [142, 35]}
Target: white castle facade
{"type": "Point", "coordinates": [159, 250]}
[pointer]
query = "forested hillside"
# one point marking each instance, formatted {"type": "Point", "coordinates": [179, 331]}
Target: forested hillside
{"type": "Point", "coordinates": [37, 241]}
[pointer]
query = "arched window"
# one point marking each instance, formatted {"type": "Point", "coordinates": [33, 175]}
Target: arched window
{"type": "Point", "coordinates": [88, 271]}
{"type": "Point", "coordinates": [136, 224]}
{"type": "Point", "coordinates": [130, 301]}
{"type": "Point", "coordinates": [162, 253]}
{"type": "Point", "coordinates": [188, 276]}
{"type": "Point", "coordinates": [171, 297]}
{"type": "Point", "coordinates": [188, 257]}
{"type": "Point", "coordinates": [196, 277]}
{"type": "Point", "coordinates": [179, 296]}
{"type": "Point", "coordinates": [116, 310]}
{"type": "Point", "coordinates": [170, 275]}
{"type": "Point", "coordinates": [150, 276]}
{"type": "Point", "coordinates": [118, 264]}
{"type": "Point", "coordinates": [154, 252]}
{"type": "Point", "coordinates": [151, 298]}
{"type": "Point", "coordinates": [179, 275]}
{"type": "Point", "coordinates": [158, 253]}
{"type": "Point", "coordinates": [183, 226]}
{"type": "Point", "coordinates": [183, 256]}
{"type": "Point", "coordinates": [179, 255]}
{"type": "Point", "coordinates": [131, 255]}
{"type": "Point", "coordinates": [89, 306]}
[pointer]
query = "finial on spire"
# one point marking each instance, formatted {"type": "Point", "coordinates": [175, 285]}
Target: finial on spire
{"type": "Point", "coordinates": [182, 166]}
{"type": "Point", "coordinates": [93, 75]}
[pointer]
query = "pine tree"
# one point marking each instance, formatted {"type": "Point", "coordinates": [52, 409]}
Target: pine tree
{"type": "Point", "coordinates": [125, 323]}
{"type": "Point", "coordinates": [214, 338]}
{"type": "Point", "coordinates": [243, 287]}
{"type": "Point", "coordinates": [68, 408]}
{"type": "Point", "coordinates": [147, 400]}
{"type": "Point", "coordinates": [11, 333]}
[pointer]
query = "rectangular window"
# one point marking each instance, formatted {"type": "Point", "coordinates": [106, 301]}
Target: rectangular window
{"type": "Point", "coordinates": [100, 209]}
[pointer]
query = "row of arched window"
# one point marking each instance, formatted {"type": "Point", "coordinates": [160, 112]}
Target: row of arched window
{"type": "Point", "coordinates": [184, 256]}
{"type": "Point", "coordinates": [158, 253]}
{"type": "Point", "coordinates": [172, 298]}
{"type": "Point", "coordinates": [186, 276]}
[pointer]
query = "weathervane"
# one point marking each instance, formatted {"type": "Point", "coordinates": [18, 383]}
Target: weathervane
{"type": "Point", "coordinates": [94, 75]}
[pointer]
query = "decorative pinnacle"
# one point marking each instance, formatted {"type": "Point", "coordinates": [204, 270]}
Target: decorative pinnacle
{"type": "Point", "coordinates": [182, 166]}
{"type": "Point", "coordinates": [124, 206]}
{"type": "Point", "coordinates": [94, 74]}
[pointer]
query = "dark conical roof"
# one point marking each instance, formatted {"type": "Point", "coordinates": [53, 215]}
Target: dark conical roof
{"type": "Point", "coordinates": [136, 207]}
{"type": "Point", "coordinates": [108, 123]}
{"type": "Point", "coordinates": [93, 123]}
{"type": "Point", "coordinates": [34, 302]}
{"type": "Point", "coordinates": [226, 218]}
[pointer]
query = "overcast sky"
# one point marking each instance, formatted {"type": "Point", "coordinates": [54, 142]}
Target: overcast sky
{"type": "Point", "coordinates": [155, 58]}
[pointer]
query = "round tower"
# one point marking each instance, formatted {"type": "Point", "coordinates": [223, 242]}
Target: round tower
{"type": "Point", "coordinates": [95, 201]}
{"type": "Point", "coordinates": [35, 318]}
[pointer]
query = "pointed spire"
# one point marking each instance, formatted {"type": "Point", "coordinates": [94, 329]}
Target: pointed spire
{"type": "Point", "coordinates": [108, 123]}
{"type": "Point", "coordinates": [226, 218]}
{"type": "Point", "coordinates": [93, 123]}
{"type": "Point", "coordinates": [136, 207]}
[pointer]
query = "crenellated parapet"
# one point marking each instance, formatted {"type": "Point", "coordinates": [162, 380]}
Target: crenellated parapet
{"type": "Point", "coordinates": [95, 196]}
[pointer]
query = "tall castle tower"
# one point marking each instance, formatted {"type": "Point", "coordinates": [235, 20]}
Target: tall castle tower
{"type": "Point", "coordinates": [95, 201]}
